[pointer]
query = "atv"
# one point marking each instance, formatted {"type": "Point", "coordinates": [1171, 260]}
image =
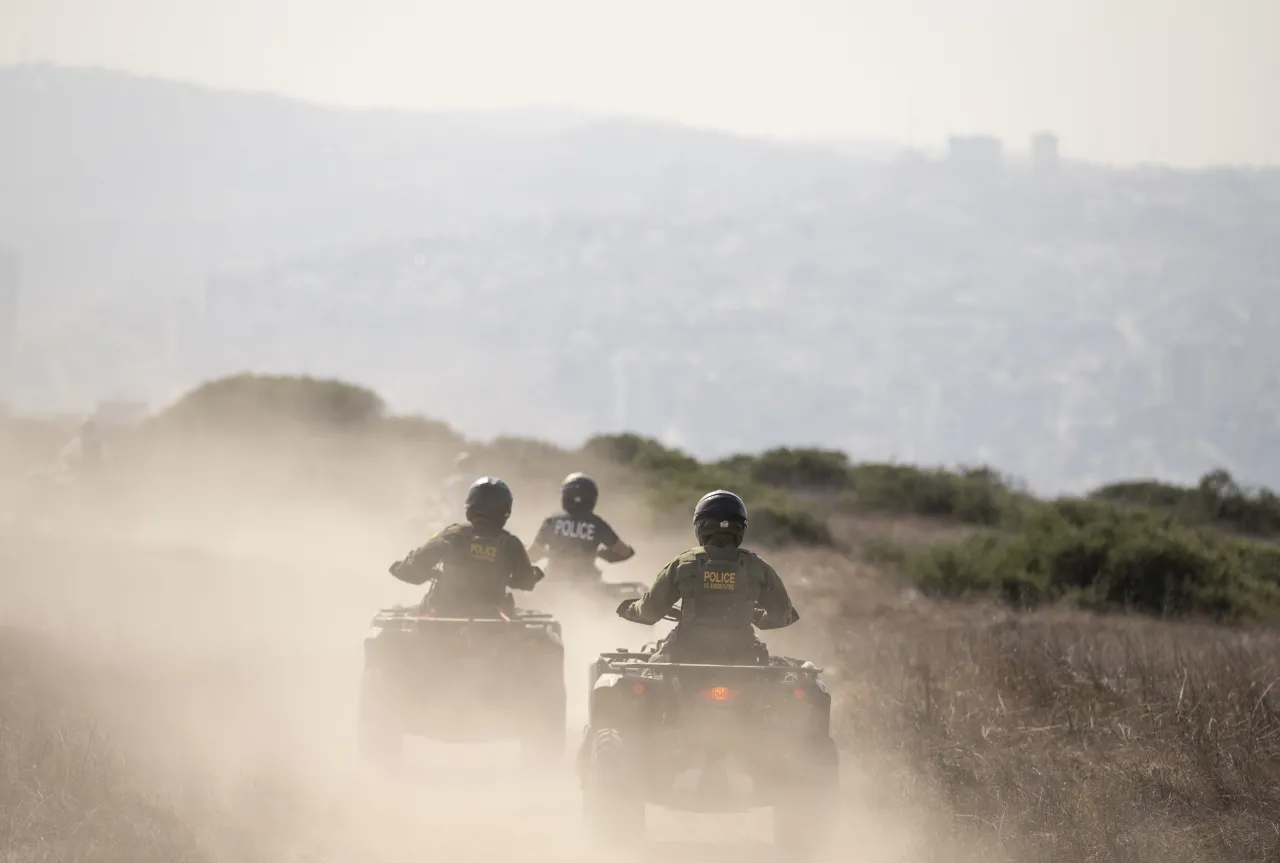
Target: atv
{"type": "Point", "coordinates": [708, 738]}
{"type": "Point", "coordinates": [611, 591]}
{"type": "Point", "coordinates": [586, 578]}
{"type": "Point", "coordinates": [463, 680]}
{"type": "Point", "coordinates": [590, 586]}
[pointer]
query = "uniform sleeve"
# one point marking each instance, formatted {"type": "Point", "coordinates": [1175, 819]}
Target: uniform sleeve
{"type": "Point", "coordinates": [774, 601]}
{"type": "Point", "coordinates": [659, 598]}
{"type": "Point", "coordinates": [608, 536]}
{"type": "Point", "coordinates": [608, 550]}
{"type": "Point", "coordinates": [542, 540]}
{"type": "Point", "coordinates": [420, 565]}
{"type": "Point", "coordinates": [522, 575]}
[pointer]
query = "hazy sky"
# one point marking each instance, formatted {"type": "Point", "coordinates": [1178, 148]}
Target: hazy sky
{"type": "Point", "coordinates": [1179, 81]}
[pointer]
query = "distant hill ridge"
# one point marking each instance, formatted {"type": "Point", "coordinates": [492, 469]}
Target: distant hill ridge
{"type": "Point", "coordinates": [720, 293]}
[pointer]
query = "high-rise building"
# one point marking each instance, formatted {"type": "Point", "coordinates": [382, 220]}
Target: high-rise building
{"type": "Point", "coordinates": [1044, 152]}
{"type": "Point", "coordinates": [975, 153]}
{"type": "Point", "coordinates": [9, 277]}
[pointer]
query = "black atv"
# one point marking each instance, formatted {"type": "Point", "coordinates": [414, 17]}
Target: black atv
{"type": "Point", "coordinates": [463, 680]}
{"type": "Point", "coordinates": [708, 738]}
{"type": "Point", "coordinates": [590, 581]}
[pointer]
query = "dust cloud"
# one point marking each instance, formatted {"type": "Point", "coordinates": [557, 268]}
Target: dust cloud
{"type": "Point", "coordinates": [215, 626]}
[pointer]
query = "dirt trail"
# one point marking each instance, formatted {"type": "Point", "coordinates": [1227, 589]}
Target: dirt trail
{"type": "Point", "coordinates": [229, 675]}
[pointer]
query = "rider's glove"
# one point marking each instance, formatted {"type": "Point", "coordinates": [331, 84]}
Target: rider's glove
{"type": "Point", "coordinates": [538, 574]}
{"type": "Point", "coordinates": [624, 608]}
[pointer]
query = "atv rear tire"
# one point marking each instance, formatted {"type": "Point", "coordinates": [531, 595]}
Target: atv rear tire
{"type": "Point", "coordinates": [804, 814]}
{"type": "Point", "coordinates": [380, 737]}
{"type": "Point", "coordinates": [612, 799]}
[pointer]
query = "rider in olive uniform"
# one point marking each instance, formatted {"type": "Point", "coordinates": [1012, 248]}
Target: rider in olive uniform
{"type": "Point", "coordinates": [479, 560]}
{"type": "Point", "coordinates": [723, 590]}
{"type": "Point", "coordinates": [572, 539]}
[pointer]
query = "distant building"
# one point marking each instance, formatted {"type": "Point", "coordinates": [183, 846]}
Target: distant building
{"type": "Point", "coordinates": [970, 153]}
{"type": "Point", "coordinates": [9, 278]}
{"type": "Point", "coordinates": [1044, 152]}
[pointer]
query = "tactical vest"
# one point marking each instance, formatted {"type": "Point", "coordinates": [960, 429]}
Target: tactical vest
{"type": "Point", "coordinates": [475, 570]}
{"type": "Point", "coordinates": [721, 598]}
{"type": "Point", "coordinates": [573, 545]}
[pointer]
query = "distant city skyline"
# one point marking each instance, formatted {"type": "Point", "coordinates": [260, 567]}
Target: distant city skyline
{"type": "Point", "coordinates": [1174, 82]}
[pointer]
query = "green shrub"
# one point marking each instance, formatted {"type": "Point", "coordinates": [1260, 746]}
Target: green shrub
{"type": "Point", "coordinates": [794, 468]}
{"type": "Point", "coordinates": [1149, 493]}
{"type": "Point", "coordinates": [884, 551]}
{"type": "Point", "coordinates": [1216, 499]}
{"type": "Point", "coordinates": [247, 402]}
{"type": "Point", "coordinates": [973, 496]}
{"type": "Point", "coordinates": [676, 481]}
{"type": "Point", "coordinates": [642, 454]}
{"type": "Point", "coordinates": [1107, 558]}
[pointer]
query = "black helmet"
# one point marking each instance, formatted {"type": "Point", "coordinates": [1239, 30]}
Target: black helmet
{"type": "Point", "coordinates": [489, 500]}
{"type": "Point", "coordinates": [720, 512]}
{"type": "Point", "coordinates": [578, 494]}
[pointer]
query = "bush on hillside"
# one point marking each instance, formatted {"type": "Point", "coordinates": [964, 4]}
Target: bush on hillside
{"type": "Point", "coordinates": [1216, 499]}
{"type": "Point", "coordinates": [248, 402]}
{"type": "Point", "coordinates": [524, 450]}
{"type": "Point", "coordinates": [1107, 558]}
{"type": "Point", "coordinates": [676, 481]}
{"type": "Point", "coordinates": [971, 495]}
{"type": "Point", "coordinates": [814, 469]}
{"type": "Point", "coordinates": [641, 453]}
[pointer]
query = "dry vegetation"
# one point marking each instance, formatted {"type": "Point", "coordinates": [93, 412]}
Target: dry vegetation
{"type": "Point", "coordinates": [1034, 737]}
{"type": "Point", "coordinates": [1059, 735]}
{"type": "Point", "coordinates": [65, 793]}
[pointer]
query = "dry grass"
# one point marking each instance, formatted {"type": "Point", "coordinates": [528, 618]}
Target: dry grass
{"type": "Point", "coordinates": [1066, 737]}
{"type": "Point", "coordinates": [65, 795]}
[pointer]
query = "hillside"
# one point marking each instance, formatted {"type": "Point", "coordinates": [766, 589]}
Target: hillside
{"type": "Point", "coordinates": [1211, 550]}
{"type": "Point", "coordinates": [1077, 326]}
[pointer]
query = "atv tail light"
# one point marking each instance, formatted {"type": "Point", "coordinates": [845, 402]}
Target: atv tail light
{"type": "Point", "coordinates": [531, 642]}
{"type": "Point", "coordinates": [638, 689]}
{"type": "Point", "coordinates": [720, 693]}
{"type": "Point", "coordinates": [798, 692]}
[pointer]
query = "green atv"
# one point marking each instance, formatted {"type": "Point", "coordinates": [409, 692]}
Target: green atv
{"type": "Point", "coordinates": [463, 680]}
{"type": "Point", "coordinates": [708, 738]}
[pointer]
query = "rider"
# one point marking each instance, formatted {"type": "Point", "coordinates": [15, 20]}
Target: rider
{"type": "Point", "coordinates": [722, 588]}
{"type": "Point", "coordinates": [572, 539]}
{"type": "Point", "coordinates": [479, 560]}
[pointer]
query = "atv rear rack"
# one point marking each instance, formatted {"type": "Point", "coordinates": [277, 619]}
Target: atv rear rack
{"type": "Point", "coordinates": [625, 662]}
{"type": "Point", "coordinates": [415, 615]}
{"type": "Point", "coordinates": [408, 620]}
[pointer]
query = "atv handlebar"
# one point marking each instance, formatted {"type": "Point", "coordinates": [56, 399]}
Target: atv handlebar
{"type": "Point", "coordinates": [757, 616]}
